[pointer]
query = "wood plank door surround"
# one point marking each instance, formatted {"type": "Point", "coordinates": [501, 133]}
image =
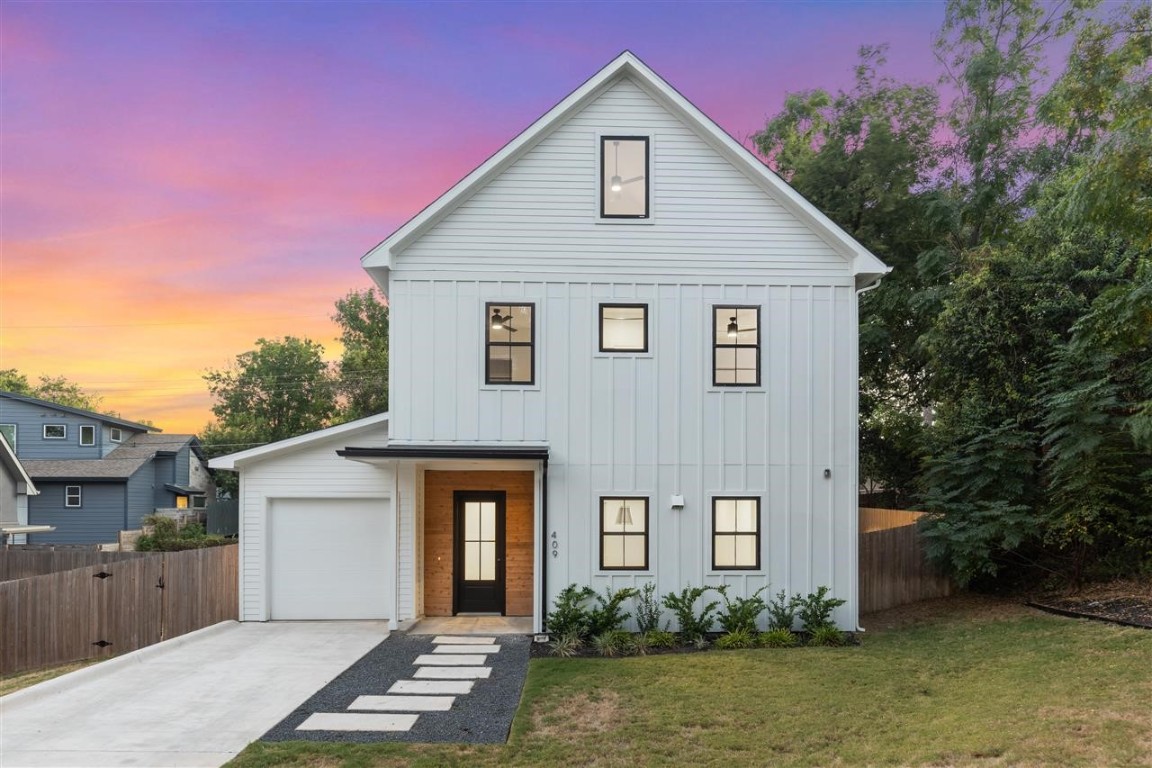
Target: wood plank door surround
{"type": "Point", "coordinates": [478, 552]}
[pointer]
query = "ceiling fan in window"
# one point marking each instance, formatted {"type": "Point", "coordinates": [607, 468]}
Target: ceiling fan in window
{"type": "Point", "coordinates": [501, 322]}
{"type": "Point", "coordinates": [734, 330]}
{"type": "Point", "coordinates": [616, 184]}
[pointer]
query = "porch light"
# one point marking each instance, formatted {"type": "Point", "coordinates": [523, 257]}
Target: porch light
{"type": "Point", "coordinates": [733, 329]}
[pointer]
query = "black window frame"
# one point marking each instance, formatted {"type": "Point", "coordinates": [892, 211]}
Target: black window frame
{"type": "Point", "coordinates": [45, 436]}
{"type": "Point", "coordinates": [622, 305]}
{"type": "Point", "coordinates": [603, 534]}
{"type": "Point", "coordinates": [79, 497]}
{"type": "Point", "coordinates": [647, 177]}
{"type": "Point", "coordinates": [489, 344]}
{"type": "Point", "coordinates": [757, 534]}
{"type": "Point", "coordinates": [716, 346]}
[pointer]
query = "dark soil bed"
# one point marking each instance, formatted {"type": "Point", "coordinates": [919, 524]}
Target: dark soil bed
{"type": "Point", "coordinates": [544, 650]}
{"type": "Point", "coordinates": [1128, 603]}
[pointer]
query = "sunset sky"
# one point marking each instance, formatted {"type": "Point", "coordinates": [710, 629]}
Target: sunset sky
{"type": "Point", "coordinates": [179, 179]}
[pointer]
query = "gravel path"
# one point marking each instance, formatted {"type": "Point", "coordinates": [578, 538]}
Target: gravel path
{"type": "Point", "coordinates": [480, 717]}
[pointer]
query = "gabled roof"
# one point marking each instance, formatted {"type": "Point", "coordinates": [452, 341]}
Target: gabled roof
{"type": "Point", "coordinates": [233, 461]}
{"type": "Point", "coordinates": [102, 417]}
{"type": "Point", "coordinates": [15, 468]}
{"type": "Point", "coordinates": [865, 266]}
{"type": "Point", "coordinates": [119, 464]}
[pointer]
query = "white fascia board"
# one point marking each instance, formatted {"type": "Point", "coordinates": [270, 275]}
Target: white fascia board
{"type": "Point", "coordinates": [380, 260]}
{"type": "Point", "coordinates": [234, 461]}
{"type": "Point", "coordinates": [9, 458]}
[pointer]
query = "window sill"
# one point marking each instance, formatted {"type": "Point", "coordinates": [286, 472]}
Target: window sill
{"type": "Point", "coordinates": [624, 572]}
{"type": "Point", "coordinates": [736, 572]}
{"type": "Point", "coordinates": [621, 353]}
{"type": "Point", "coordinates": [510, 387]}
{"type": "Point", "coordinates": [626, 222]}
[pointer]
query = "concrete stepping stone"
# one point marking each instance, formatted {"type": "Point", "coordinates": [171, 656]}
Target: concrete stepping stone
{"type": "Point", "coordinates": [432, 686]}
{"type": "Point", "coordinates": [453, 673]}
{"type": "Point", "coordinates": [403, 703]}
{"type": "Point", "coordinates": [466, 649]}
{"type": "Point", "coordinates": [346, 721]}
{"type": "Point", "coordinates": [457, 660]}
{"type": "Point", "coordinates": [463, 640]}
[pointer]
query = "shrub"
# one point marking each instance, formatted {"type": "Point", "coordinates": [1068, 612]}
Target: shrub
{"type": "Point", "coordinates": [608, 615]}
{"type": "Point", "coordinates": [815, 611]}
{"type": "Point", "coordinates": [740, 614]}
{"type": "Point", "coordinates": [826, 635]}
{"type": "Point", "coordinates": [660, 638]}
{"type": "Point", "coordinates": [782, 611]}
{"type": "Point", "coordinates": [740, 638]}
{"type": "Point", "coordinates": [168, 536]}
{"type": "Point", "coordinates": [569, 616]}
{"type": "Point", "coordinates": [692, 625]}
{"type": "Point", "coordinates": [777, 638]}
{"type": "Point", "coordinates": [565, 646]}
{"type": "Point", "coordinates": [648, 610]}
{"type": "Point", "coordinates": [616, 642]}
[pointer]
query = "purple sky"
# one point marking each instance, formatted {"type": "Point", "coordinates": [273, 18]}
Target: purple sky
{"type": "Point", "coordinates": [178, 179]}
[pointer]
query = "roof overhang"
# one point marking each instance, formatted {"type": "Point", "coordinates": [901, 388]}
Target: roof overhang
{"type": "Point", "coordinates": [185, 490]}
{"type": "Point", "coordinates": [234, 461]}
{"type": "Point", "coordinates": [452, 457]}
{"type": "Point", "coordinates": [17, 529]}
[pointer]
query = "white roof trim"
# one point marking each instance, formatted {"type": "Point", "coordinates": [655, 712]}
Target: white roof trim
{"type": "Point", "coordinates": [9, 458]}
{"type": "Point", "coordinates": [233, 461]}
{"type": "Point", "coordinates": [865, 265]}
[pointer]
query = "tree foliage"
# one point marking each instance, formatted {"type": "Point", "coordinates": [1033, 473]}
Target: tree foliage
{"type": "Point", "coordinates": [55, 389]}
{"type": "Point", "coordinates": [362, 372]}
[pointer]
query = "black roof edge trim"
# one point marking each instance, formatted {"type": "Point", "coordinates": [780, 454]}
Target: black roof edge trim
{"type": "Point", "coordinates": [441, 452]}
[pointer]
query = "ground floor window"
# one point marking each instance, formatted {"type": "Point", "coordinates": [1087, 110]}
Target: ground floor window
{"type": "Point", "coordinates": [735, 533]}
{"type": "Point", "coordinates": [624, 533]}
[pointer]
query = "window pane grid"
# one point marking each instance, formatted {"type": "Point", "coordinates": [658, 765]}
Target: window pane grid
{"type": "Point", "coordinates": [736, 533]}
{"type": "Point", "coordinates": [510, 341]}
{"type": "Point", "coordinates": [736, 346]}
{"type": "Point", "coordinates": [623, 533]}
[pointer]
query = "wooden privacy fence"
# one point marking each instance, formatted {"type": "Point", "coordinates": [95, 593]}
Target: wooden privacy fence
{"type": "Point", "coordinates": [893, 569]}
{"type": "Point", "coordinates": [110, 608]}
{"type": "Point", "coordinates": [24, 563]}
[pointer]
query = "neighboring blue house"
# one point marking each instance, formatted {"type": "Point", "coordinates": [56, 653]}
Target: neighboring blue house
{"type": "Point", "coordinates": [97, 474]}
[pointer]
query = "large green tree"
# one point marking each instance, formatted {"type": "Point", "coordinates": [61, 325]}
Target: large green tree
{"type": "Point", "coordinates": [362, 372]}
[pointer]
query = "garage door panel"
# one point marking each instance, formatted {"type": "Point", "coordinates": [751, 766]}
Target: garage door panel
{"type": "Point", "coordinates": [329, 559]}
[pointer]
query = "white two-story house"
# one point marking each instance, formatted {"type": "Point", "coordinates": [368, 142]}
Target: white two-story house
{"type": "Point", "coordinates": [622, 351]}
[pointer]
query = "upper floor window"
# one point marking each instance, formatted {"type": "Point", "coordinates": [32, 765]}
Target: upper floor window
{"type": "Point", "coordinates": [735, 533]}
{"type": "Point", "coordinates": [624, 177]}
{"type": "Point", "coordinates": [116, 435]}
{"type": "Point", "coordinates": [55, 431]}
{"type": "Point", "coordinates": [624, 534]}
{"type": "Point", "coordinates": [623, 327]}
{"type": "Point", "coordinates": [736, 346]}
{"type": "Point", "coordinates": [511, 343]}
{"type": "Point", "coordinates": [9, 432]}
{"type": "Point", "coordinates": [87, 434]}
{"type": "Point", "coordinates": [72, 496]}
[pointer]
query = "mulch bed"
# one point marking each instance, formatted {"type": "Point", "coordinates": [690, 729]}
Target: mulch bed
{"type": "Point", "coordinates": [1126, 603]}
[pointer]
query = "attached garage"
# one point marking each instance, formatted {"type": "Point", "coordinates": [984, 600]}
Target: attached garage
{"type": "Point", "coordinates": [329, 559]}
{"type": "Point", "coordinates": [323, 537]}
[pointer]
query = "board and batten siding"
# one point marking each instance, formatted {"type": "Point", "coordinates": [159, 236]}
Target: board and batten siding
{"type": "Point", "coordinates": [315, 472]}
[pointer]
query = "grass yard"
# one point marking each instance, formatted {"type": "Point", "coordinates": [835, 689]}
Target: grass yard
{"type": "Point", "coordinates": [12, 683]}
{"type": "Point", "coordinates": [964, 681]}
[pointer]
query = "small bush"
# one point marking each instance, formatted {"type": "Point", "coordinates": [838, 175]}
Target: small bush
{"type": "Point", "coordinates": [614, 643]}
{"type": "Point", "coordinates": [569, 616]}
{"type": "Point", "coordinates": [826, 635]}
{"type": "Point", "coordinates": [741, 638]}
{"type": "Point", "coordinates": [660, 638]}
{"type": "Point", "coordinates": [692, 625]}
{"type": "Point", "coordinates": [777, 638]}
{"type": "Point", "coordinates": [565, 646]}
{"type": "Point", "coordinates": [740, 614]}
{"type": "Point", "coordinates": [782, 611]}
{"type": "Point", "coordinates": [648, 609]}
{"type": "Point", "coordinates": [815, 611]}
{"type": "Point", "coordinates": [167, 536]}
{"type": "Point", "coordinates": [609, 616]}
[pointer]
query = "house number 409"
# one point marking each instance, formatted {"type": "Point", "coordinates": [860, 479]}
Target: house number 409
{"type": "Point", "coordinates": [555, 545]}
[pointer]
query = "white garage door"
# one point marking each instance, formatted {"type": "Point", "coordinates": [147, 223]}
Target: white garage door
{"type": "Point", "coordinates": [329, 559]}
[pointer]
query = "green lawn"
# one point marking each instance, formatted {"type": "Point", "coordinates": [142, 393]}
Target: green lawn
{"type": "Point", "coordinates": [958, 682]}
{"type": "Point", "coordinates": [12, 683]}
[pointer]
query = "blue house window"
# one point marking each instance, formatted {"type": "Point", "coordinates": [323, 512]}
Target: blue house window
{"type": "Point", "coordinates": [87, 434]}
{"type": "Point", "coordinates": [55, 431]}
{"type": "Point", "coordinates": [72, 496]}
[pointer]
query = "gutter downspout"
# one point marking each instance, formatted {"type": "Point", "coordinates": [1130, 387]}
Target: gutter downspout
{"type": "Point", "coordinates": [544, 545]}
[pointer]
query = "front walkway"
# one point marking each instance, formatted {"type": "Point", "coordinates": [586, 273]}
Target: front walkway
{"type": "Point", "coordinates": [419, 688]}
{"type": "Point", "coordinates": [472, 625]}
{"type": "Point", "coordinates": [195, 700]}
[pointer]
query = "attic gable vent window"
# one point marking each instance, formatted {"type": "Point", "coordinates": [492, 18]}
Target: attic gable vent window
{"type": "Point", "coordinates": [624, 170]}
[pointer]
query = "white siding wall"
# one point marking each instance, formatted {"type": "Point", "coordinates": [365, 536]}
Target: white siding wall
{"type": "Point", "coordinates": [316, 472]}
{"type": "Point", "coordinates": [648, 424]}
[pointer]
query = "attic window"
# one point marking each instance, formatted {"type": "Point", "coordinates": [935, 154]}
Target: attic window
{"type": "Point", "coordinates": [624, 177]}
{"type": "Point", "coordinates": [87, 434]}
{"type": "Point", "coordinates": [115, 435]}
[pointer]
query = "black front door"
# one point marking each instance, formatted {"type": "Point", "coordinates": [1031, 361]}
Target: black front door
{"type": "Point", "coordinates": [478, 544]}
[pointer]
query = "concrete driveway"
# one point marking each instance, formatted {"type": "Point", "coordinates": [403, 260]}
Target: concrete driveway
{"type": "Point", "coordinates": [196, 700]}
